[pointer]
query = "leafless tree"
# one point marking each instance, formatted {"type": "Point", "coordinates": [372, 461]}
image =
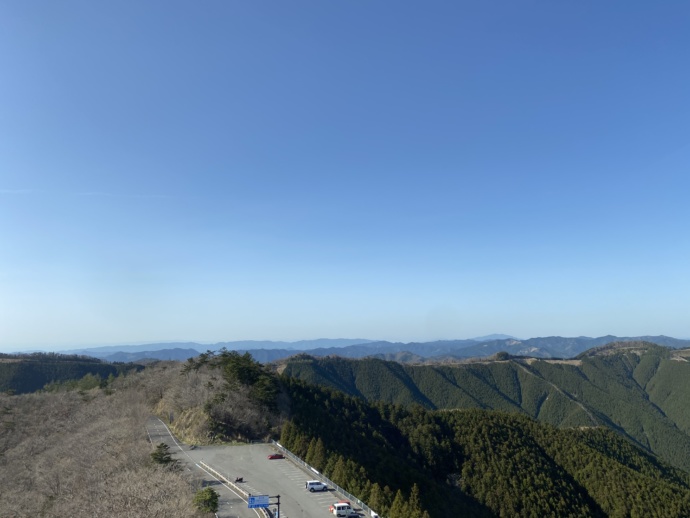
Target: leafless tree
{"type": "Point", "coordinates": [86, 454]}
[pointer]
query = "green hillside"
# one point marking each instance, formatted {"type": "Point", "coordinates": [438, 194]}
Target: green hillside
{"type": "Point", "coordinates": [637, 389]}
{"type": "Point", "coordinates": [24, 373]}
{"type": "Point", "coordinates": [405, 462]}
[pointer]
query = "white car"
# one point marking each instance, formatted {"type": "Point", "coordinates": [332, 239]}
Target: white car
{"type": "Point", "coordinates": [341, 509]}
{"type": "Point", "coordinates": [315, 485]}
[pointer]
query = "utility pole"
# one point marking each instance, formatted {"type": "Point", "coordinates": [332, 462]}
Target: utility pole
{"type": "Point", "coordinates": [277, 505]}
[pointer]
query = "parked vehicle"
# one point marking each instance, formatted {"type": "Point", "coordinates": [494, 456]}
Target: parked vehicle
{"type": "Point", "coordinates": [276, 456]}
{"type": "Point", "coordinates": [330, 509]}
{"type": "Point", "coordinates": [315, 485]}
{"type": "Point", "coordinates": [345, 510]}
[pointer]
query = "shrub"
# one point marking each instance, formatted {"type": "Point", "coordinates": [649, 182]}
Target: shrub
{"type": "Point", "coordinates": [206, 500]}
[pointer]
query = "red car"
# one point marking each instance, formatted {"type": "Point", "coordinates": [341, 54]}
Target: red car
{"type": "Point", "coordinates": [275, 456]}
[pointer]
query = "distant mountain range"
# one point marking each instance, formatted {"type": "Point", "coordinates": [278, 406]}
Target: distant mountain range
{"type": "Point", "coordinates": [413, 352]}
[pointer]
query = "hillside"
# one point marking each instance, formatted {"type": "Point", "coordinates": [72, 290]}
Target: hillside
{"type": "Point", "coordinates": [416, 463]}
{"type": "Point", "coordinates": [159, 354]}
{"type": "Point", "coordinates": [85, 453]}
{"type": "Point", "coordinates": [637, 389]}
{"type": "Point", "coordinates": [405, 462]}
{"type": "Point", "coordinates": [23, 373]}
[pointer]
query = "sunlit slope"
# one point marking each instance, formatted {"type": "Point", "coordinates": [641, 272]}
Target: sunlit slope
{"type": "Point", "coordinates": [638, 389]}
{"type": "Point", "coordinates": [510, 386]}
{"type": "Point", "coordinates": [476, 463]}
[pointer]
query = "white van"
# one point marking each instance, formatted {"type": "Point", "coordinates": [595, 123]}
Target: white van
{"type": "Point", "coordinates": [343, 510]}
{"type": "Point", "coordinates": [315, 485]}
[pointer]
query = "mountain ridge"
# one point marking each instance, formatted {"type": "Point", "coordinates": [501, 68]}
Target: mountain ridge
{"type": "Point", "coordinates": [638, 389]}
{"type": "Point", "coordinates": [439, 350]}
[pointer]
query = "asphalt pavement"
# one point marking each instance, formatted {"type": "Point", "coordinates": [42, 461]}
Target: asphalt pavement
{"type": "Point", "coordinates": [231, 502]}
{"type": "Point", "coordinates": [261, 476]}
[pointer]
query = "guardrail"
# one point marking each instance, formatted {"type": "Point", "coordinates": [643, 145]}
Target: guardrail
{"type": "Point", "coordinates": [329, 482]}
{"type": "Point", "coordinates": [267, 512]}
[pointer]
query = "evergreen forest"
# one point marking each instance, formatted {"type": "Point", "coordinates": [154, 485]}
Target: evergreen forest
{"type": "Point", "coordinates": [637, 389]}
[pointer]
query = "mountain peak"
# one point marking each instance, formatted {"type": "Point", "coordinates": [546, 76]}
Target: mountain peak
{"type": "Point", "coordinates": [491, 338]}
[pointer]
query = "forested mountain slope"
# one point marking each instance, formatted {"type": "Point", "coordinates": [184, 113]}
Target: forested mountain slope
{"type": "Point", "coordinates": [405, 462]}
{"type": "Point", "coordinates": [23, 373]}
{"type": "Point", "coordinates": [411, 462]}
{"type": "Point", "coordinates": [638, 389]}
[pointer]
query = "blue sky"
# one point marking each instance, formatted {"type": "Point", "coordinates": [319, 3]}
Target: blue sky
{"type": "Point", "coordinates": [229, 170]}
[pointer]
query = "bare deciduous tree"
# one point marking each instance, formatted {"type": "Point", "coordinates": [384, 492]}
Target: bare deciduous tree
{"type": "Point", "coordinates": [71, 454]}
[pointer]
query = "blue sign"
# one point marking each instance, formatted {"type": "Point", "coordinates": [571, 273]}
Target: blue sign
{"type": "Point", "coordinates": [258, 501]}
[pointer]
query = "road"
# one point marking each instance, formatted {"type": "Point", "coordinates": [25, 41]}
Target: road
{"type": "Point", "coordinates": [261, 476]}
{"type": "Point", "coordinates": [231, 503]}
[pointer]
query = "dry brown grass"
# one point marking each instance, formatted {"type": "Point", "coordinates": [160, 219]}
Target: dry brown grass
{"type": "Point", "coordinates": [74, 454]}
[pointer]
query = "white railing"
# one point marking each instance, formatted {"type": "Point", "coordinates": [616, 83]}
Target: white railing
{"type": "Point", "coordinates": [352, 498]}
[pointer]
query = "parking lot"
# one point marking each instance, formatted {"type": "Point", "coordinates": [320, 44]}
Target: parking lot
{"type": "Point", "coordinates": [261, 475]}
{"type": "Point", "coordinates": [269, 477]}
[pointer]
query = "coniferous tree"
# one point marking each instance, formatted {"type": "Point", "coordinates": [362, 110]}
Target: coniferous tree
{"type": "Point", "coordinates": [319, 455]}
{"type": "Point", "coordinates": [162, 455]}
{"type": "Point", "coordinates": [206, 500]}
{"type": "Point", "coordinates": [399, 507]}
{"type": "Point", "coordinates": [414, 504]}
{"type": "Point", "coordinates": [376, 498]}
{"type": "Point", "coordinates": [309, 457]}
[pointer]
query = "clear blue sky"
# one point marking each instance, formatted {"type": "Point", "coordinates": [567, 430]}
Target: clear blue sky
{"type": "Point", "coordinates": [225, 170]}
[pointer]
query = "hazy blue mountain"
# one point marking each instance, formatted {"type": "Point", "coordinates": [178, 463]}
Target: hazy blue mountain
{"type": "Point", "coordinates": [560, 347]}
{"type": "Point", "coordinates": [543, 347]}
{"type": "Point", "coordinates": [489, 338]}
{"type": "Point", "coordinates": [424, 350]}
{"type": "Point", "coordinates": [244, 345]}
{"type": "Point", "coordinates": [176, 354]}
{"type": "Point", "coordinates": [413, 352]}
{"type": "Point", "coordinates": [300, 345]}
{"type": "Point", "coordinates": [107, 350]}
{"type": "Point", "coordinates": [440, 350]}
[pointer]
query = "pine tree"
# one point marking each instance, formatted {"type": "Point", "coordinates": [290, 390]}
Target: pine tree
{"type": "Point", "coordinates": [376, 501]}
{"type": "Point", "coordinates": [319, 455]}
{"type": "Point", "coordinates": [414, 504]}
{"type": "Point", "coordinates": [309, 457]}
{"type": "Point", "coordinates": [339, 475]}
{"type": "Point", "coordinates": [162, 455]}
{"type": "Point", "coordinates": [399, 508]}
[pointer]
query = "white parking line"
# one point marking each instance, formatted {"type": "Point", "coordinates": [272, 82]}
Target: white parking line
{"type": "Point", "coordinates": [169, 433]}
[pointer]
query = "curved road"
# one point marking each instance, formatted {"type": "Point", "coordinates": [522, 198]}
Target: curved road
{"type": "Point", "coordinates": [261, 476]}
{"type": "Point", "coordinates": [231, 502]}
